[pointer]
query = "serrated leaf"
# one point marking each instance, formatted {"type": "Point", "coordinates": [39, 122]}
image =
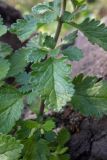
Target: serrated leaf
{"type": "Point", "coordinates": [34, 101]}
{"type": "Point", "coordinates": [51, 80]}
{"type": "Point", "coordinates": [23, 79]}
{"type": "Point", "coordinates": [90, 97]}
{"type": "Point", "coordinates": [49, 42]}
{"type": "Point", "coordinates": [41, 9]}
{"type": "Point", "coordinates": [63, 137]}
{"type": "Point", "coordinates": [67, 17]}
{"type": "Point", "coordinates": [36, 55]}
{"type": "Point", "coordinates": [38, 151]}
{"type": "Point", "coordinates": [48, 125]}
{"type": "Point", "coordinates": [73, 53]}
{"type": "Point", "coordinates": [50, 136]}
{"type": "Point", "coordinates": [4, 68]}
{"type": "Point", "coordinates": [54, 52]}
{"type": "Point", "coordinates": [26, 128]}
{"type": "Point", "coordinates": [36, 42]}
{"type": "Point", "coordinates": [57, 6]}
{"type": "Point", "coordinates": [44, 13]}
{"type": "Point", "coordinates": [70, 38]}
{"type": "Point", "coordinates": [18, 62]}
{"type": "Point", "coordinates": [10, 148]}
{"type": "Point", "coordinates": [5, 50]}
{"type": "Point", "coordinates": [11, 105]}
{"type": "Point", "coordinates": [78, 3]}
{"type": "Point", "coordinates": [3, 28]}
{"type": "Point", "coordinates": [94, 31]}
{"type": "Point", "coordinates": [24, 28]}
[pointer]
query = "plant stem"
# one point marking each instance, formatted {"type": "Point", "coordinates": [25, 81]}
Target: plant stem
{"type": "Point", "coordinates": [58, 30]}
{"type": "Point", "coordinates": [59, 26]}
{"type": "Point", "coordinates": [42, 107]}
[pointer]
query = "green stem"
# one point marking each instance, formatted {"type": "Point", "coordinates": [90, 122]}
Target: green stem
{"type": "Point", "coordinates": [59, 26]}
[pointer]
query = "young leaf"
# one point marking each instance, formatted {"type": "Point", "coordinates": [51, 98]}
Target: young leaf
{"type": "Point", "coordinates": [49, 42]}
{"type": "Point", "coordinates": [94, 31]}
{"type": "Point", "coordinates": [3, 28]}
{"type": "Point", "coordinates": [44, 13]}
{"type": "Point", "coordinates": [54, 52]}
{"type": "Point", "coordinates": [24, 28]}
{"type": "Point", "coordinates": [11, 105]}
{"type": "Point", "coordinates": [48, 125]}
{"type": "Point", "coordinates": [18, 62]}
{"type": "Point", "coordinates": [90, 97]}
{"type": "Point", "coordinates": [23, 79]}
{"type": "Point", "coordinates": [4, 68]}
{"type": "Point", "coordinates": [25, 128]}
{"type": "Point", "coordinates": [70, 38]}
{"type": "Point", "coordinates": [34, 101]}
{"type": "Point", "coordinates": [73, 53]}
{"type": "Point", "coordinates": [63, 137]}
{"type": "Point", "coordinates": [51, 80]}
{"type": "Point", "coordinates": [78, 3]}
{"type": "Point", "coordinates": [36, 55]}
{"type": "Point", "coordinates": [41, 9]}
{"type": "Point", "coordinates": [36, 42]}
{"type": "Point", "coordinates": [57, 6]}
{"type": "Point", "coordinates": [36, 149]}
{"type": "Point", "coordinates": [67, 17]}
{"type": "Point", "coordinates": [10, 148]}
{"type": "Point", "coordinates": [5, 50]}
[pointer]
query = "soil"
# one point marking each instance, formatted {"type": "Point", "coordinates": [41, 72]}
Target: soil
{"type": "Point", "coordinates": [91, 142]}
{"type": "Point", "coordinates": [88, 135]}
{"type": "Point", "coordinates": [10, 15]}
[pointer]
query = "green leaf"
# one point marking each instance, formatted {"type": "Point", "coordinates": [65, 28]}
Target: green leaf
{"type": "Point", "coordinates": [78, 3]}
{"type": "Point", "coordinates": [34, 101]}
{"type": "Point", "coordinates": [24, 28]}
{"type": "Point", "coordinates": [67, 17]}
{"type": "Point", "coordinates": [90, 97]}
{"type": "Point", "coordinates": [36, 55]}
{"type": "Point", "coordinates": [63, 136]}
{"type": "Point", "coordinates": [3, 28]}
{"type": "Point", "coordinates": [57, 6]}
{"type": "Point", "coordinates": [70, 38]}
{"type": "Point", "coordinates": [94, 31]}
{"type": "Point", "coordinates": [54, 52]}
{"type": "Point", "coordinates": [36, 149]}
{"type": "Point", "coordinates": [23, 79]}
{"type": "Point", "coordinates": [41, 8]}
{"type": "Point", "coordinates": [73, 53]}
{"type": "Point", "coordinates": [18, 62]}
{"type": "Point", "coordinates": [37, 41]}
{"type": "Point", "coordinates": [50, 136]}
{"type": "Point", "coordinates": [25, 128]}
{"type": "Point", "coordinates": [5, 50]}
{"type": "Point", "coordinates": [44, 13]}
{"type": "Point", "coordinates": [49, 42]}
{"type": "Point", "coordinates": [50, 79]}
{"type": "Point", "coordinates": [48, 125]}
{"type": "Point", "coordinates": [11, 105]}
{"type": "Point", "coordinates": [4, 68]}
{"type": "Point", "coordinates": [10, 148]}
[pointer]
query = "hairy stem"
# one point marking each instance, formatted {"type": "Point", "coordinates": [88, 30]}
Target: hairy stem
{"type": "Point", "coordinates": [58, 30]}
{"type": "Point", "coordinates": [59, 26]}
{"type": "Point", "coordinates": [42, 107]}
